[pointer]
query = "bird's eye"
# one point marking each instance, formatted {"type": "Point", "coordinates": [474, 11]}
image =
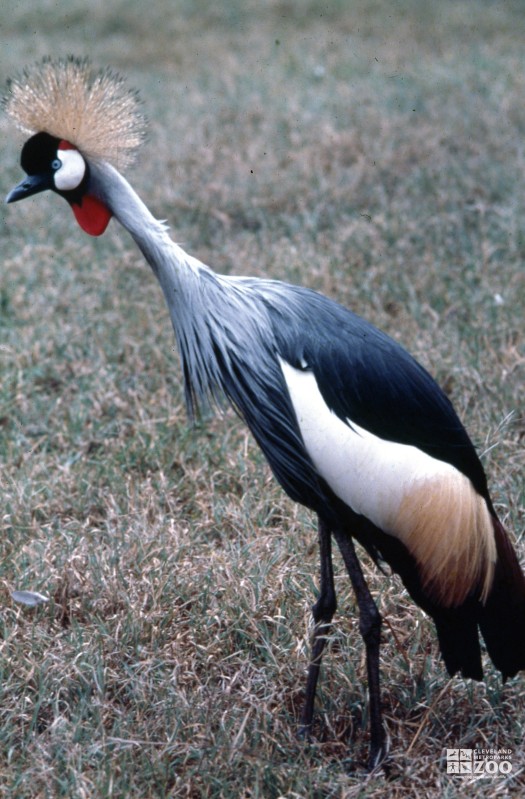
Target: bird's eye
{"type": "Point", "coordinates": [56, 164]}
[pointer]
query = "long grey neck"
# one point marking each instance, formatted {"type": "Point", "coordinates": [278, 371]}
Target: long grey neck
{"type": "Point", "coordinates": [169, 262]}
{"type": "Point", "coordinates": [193, 292]}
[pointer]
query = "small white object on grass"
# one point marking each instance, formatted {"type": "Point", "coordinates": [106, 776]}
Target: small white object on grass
{"type": "Point", "coordinates": [31, 598]}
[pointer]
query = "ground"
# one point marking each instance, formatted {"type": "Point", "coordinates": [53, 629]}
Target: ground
{"type": "Point", "coordinates": [372, 150]}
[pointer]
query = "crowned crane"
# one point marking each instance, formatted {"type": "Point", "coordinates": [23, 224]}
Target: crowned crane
{"type": "Point", "coordinates": [351, 425]}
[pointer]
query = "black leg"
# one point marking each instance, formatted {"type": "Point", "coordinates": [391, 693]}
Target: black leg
{"type": "Point", "coordinates": [370, 628]}
{"type": "Point", "coordinates": [323, 612]}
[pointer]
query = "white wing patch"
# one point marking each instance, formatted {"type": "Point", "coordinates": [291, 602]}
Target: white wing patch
{"type": "Point", "coordinates": [425, 502]}
{"type": "Point", "coordinates": [369, 474]}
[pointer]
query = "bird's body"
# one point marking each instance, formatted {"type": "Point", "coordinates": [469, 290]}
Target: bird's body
{"type": "Point", "coordinates": [351, 425]}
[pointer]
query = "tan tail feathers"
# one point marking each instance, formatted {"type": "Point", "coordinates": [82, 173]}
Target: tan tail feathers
{"type": "Point", "coordinates": [447, 527]}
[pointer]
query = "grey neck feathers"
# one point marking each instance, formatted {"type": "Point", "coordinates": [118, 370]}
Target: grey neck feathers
{"type": "Point", "coordinates": [150, 234]}
{"type": "Point", "coordinates": [215, 318]}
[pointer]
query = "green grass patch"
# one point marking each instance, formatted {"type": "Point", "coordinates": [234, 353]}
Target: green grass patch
{"type": "Point", "coordinates": [370, 150]}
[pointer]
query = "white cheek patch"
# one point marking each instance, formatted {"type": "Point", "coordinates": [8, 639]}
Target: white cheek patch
{"type": "Point", "coordinates": [70, 175]}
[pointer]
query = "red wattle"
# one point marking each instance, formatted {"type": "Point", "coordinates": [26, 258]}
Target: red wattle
{"type": "Point", "coordinates": [92, 215]}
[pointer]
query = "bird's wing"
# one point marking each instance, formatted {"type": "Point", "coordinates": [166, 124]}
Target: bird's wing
{"type": "Point", "coordinates": [365, 377]}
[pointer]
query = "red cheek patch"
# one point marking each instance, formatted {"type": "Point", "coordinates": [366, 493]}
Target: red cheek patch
{"type": "Point", "coordinates": [92, 215]}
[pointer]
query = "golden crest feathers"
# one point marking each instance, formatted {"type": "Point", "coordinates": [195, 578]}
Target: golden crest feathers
{"type": "Point", "coordinates": [66, 98]}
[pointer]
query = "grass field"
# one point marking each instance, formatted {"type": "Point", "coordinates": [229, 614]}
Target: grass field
{"type": "Point", "coordinates": [373, 150]}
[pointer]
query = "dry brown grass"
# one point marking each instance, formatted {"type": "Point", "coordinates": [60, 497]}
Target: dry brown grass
{"type": "Point", "coordinates": [371, 150]}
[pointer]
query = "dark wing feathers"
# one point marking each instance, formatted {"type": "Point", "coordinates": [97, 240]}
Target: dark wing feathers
{"type": "Point", "coordinates": [366, 377]}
